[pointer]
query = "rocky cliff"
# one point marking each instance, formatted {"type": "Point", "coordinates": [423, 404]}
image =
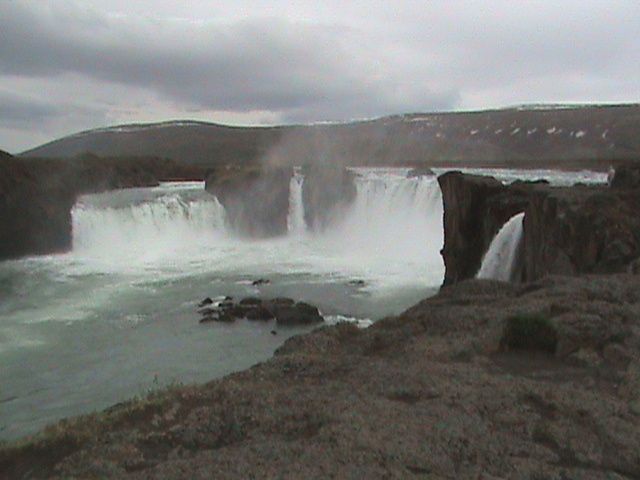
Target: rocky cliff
{"type": "Point", "coordinates": [327, 192]}
{"type": "Point", "coordinates": [475, 207]}
{"type": "Point", "coordinates": [567, 230]}
{"type": "Point", "coordinates": [256, 200]}
{"type": "Point", "coordinates": [37, 195]}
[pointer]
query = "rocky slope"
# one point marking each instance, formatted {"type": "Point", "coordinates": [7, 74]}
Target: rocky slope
{"type": "Point", "coordinates": [519, 137]}
{"type": "Point", "coordinates": [484, 380]}
{"type": "Point", "coordinates": [37, 195]}
{"type": "Point", "coordinates": [567, 230]}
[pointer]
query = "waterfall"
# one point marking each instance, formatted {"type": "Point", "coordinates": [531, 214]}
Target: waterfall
{"type": "Point", "coordinates": [393, 225]}
{"type": "Point", "coordinates": [143, 220]}
{"type": "Point", "coordinates": [295, 217]}
{"type": "Point", "coordinates": [395, 218]}
{"type": "Point", "coordinates": [498, 262]}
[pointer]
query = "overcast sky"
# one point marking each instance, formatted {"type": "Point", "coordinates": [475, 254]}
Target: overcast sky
{"type": "Point", "coordinates": [70, 65]}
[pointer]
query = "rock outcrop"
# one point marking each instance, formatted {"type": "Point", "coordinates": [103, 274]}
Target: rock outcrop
{"type": "Point", "coordinates": [37, 195]}
{"type": "Point", "coordinates": [420, 172]}
{"type": "Point", "coordinates": [256, 200]}
{"type": "Point", "coordinates": [567, 230]}
{"type": "Point", "coordinates": [284, 311]}
{"type": "Point", "coordinates": [475, 207]}
{"type": "Point", "coordinates": [580, 230]}
{"type": "Point", "coordinates": [327, 192]}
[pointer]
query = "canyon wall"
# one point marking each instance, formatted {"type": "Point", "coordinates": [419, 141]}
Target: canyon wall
{"type": "Point", "coordinates": [567, 230]}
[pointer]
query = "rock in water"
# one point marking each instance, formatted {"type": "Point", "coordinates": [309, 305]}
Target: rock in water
{"type": "Point", "coordinates": [259, 313]}
{"type": "Point", "coordinates": [420, 172]}
{"type": "Point", "coordinates": [284, 310]}
{"type": "Point", "coordinates": [299, 314]}
{"type": "Point", "coordinates": [206, 301]}
{"type": "Point", "coordinates": [250, 301]}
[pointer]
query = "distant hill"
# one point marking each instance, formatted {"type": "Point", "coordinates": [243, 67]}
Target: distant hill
{"type": "Point", "coordinates": [531, 135]}
{"type": "Point", "coordinates": [4, 155]}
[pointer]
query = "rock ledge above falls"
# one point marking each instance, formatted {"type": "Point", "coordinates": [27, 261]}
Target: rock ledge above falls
{"type": "Point", "coordinates": [567, 230]}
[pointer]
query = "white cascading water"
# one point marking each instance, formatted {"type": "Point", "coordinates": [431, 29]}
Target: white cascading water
{"type": "Point", "coordinates": [295, 217]}
{"type": "Point", "coordinates": [498, 262]}
{"type": "Point", "coordinates": [396, 220]}
{"type": "Point", "coordinates": [392, 232]}
{"type": "Point", "coordinates": [141, 222]}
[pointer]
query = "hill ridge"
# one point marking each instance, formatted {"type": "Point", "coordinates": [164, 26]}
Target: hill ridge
{"type": "Point", "coordinates": [518, 134]}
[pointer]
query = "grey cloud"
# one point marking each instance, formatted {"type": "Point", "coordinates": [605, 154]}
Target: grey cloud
{"type": "Point", "coordinates": [342, 62]}
{"type": "Point", "coordinates": [22, 112]}
{"type": "Point", "coordinates": [19, 111]}
{"type": "Point", "coordinates": [267, 64]}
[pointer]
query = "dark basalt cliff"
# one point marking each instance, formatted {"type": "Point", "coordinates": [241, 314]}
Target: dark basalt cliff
{"type": "Point", "coordinates": [36, 195]}
{"type": "Point", "coordinates": [475, 207]}
{"type": "Point", "coordinates": [256, 200]}
{"type": "Point", "coordinates": [327, 192]}
{"type": "Point", "coordinates": [567, 230]}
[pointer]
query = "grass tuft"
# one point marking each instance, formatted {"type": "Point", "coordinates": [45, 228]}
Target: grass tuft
{"type": "Point", "coordinates": [529, 332]}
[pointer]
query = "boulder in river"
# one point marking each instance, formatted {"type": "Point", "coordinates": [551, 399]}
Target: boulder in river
{"type": "Point", "coordinates": [420, 172]}
{"type": "Point", "coordinates": [284, 310]}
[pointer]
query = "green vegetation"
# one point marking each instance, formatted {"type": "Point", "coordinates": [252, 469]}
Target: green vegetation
{"type": "Point", "coordinates": [529, 332]}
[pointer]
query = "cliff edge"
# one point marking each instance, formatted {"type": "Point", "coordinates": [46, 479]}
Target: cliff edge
{"type": "Point", "coordinates": [567, 230]}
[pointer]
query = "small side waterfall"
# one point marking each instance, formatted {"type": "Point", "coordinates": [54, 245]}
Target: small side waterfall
{"type": "Point", "coordinates": [498, 262]}
{"type": "Point", "coordinates": [295, 217]}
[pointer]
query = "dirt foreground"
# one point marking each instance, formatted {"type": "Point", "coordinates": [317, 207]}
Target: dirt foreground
{"type": "Point", "coordinates": [445, 390]}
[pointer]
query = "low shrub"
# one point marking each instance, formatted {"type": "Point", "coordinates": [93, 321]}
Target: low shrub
{"type": "Point", "coordinates": [529, 332]}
